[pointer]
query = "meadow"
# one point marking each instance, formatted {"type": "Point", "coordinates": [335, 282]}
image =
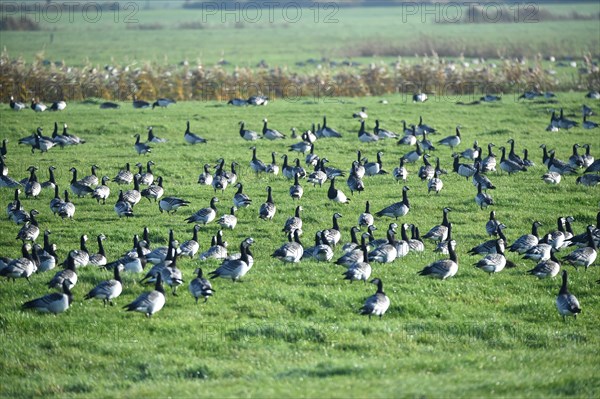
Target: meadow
{"type": "Point", "coordinates": [295, 330]}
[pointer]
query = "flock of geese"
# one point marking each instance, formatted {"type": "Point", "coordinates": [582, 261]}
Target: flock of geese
{"type": "Point", "coordinates": [158, 265]}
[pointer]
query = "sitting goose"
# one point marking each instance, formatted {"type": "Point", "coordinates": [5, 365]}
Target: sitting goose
{"type": "Point", "coordinates": [291, 251]}
{"type": "Point", "coordinates": [546, 269]}
{"type": "Point", "coordinates": [152, 138]}
{"type": "Point", "coordinates": [444, 268]}
{"type": "Point", "coordinates": [271, 134]}
{"type": "Point", "coordinates": [149, 302]}
{"type": "Point", "coordinates": [493, 263]}
{"type": "Point", "coordinates": [378, 303]}
{"type": "Point", "coordinates": [52, 303]}
{"type": "Point", "coordinates": [397, 209]}
{"type": "Point", "coordinates": [200, 286]}
{"type": "Point", "coordinates": [423, 128]}
{"type": "Point", "coordinates": [362, 114]}
{"type": "Point", "coordinates": [410, 138]}
{"type": "Point", "coordinates": [419, 97]}
{"type": "Point", "coordinates": [38, 106]}
{"type": "Point", "coordinates": [163, 103]}
{"type": "Point", "coordinates": [139, 104]}
{"type": "Point", "coordinates": [192, 138]}
{"type": "Point", "coordinates": [383, 133]}
{"type": "Point", "coordinates": [327, 131]}
{"type": "Point", "coordinates": [16, 105]}
{"type": "Point", "coordinates": [215, 251]}
{"type": "Point", "coordinates": [588, 124]}
{"type": "Point", "coordinates": [364, 135]}
{"type": "Point", "coordinates": [249, 135]}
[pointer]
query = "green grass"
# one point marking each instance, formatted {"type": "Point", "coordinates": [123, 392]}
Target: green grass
{"type": "Point", "coordinates": [294, 330]}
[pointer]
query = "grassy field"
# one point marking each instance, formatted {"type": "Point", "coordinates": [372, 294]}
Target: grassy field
{"type": "Point", "coordinates": [294, 331]}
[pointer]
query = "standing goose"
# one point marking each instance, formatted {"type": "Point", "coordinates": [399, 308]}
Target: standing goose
{"type": "Point", "coordinates": [68, 274]}
{"type": "Point", "coordinates": [301, 147]}
{"type": "Point", "coordinates": [489, 246]}
{"type": "Point", "coordinates": [413, 156]}
{"type": "Point", "coordinates": [493, 263]}
{"type": "Point", "coordinates": [16, 105]}
{"type": "Point", "coordinates": [559, 166]}
{"type": "Point", "coordinates": [378, 303]}
{"type": "Point", "coordinates": [556, 238]}
{"type": "Point", "coordinates": [364, 135]}
{"type": "Point", "coordinates": [78, 188]}
{"type": "Point", "coordinates": [336, 195]}
{"type": "Point", "coordinates": [482, 180]}
{"type": "Point", "coordinates": [52, 303]}
{"type": "Point", "coordinates": [149, 302]}
{"type": "Point", "coordinates": [163, 103]}
{"type": "Point", "coordinates": [155, 191]}
{"type": "Point", "coordinates": [397, 209]}
{"type": "Point", "coordinates": [508, 165]}
{"type": "Point", "coordinates": [492, 225]}
{"type": "Point", "coordinates": [327, 131]}
{"type": "Point", "coordinates": [539, 252]}
{"type": "Point", "coordinates": [133, 196]}
{"type": "Point", "coordinates": [91, 180]}
{"type": "Point", "coordinates": [287, 170]}
{"type": "Point", "coordinates": [66, 208]}
{"type": "Point", "coordinates": [22, 267]}
{"type": "Point", "coordinates": [489, 163]}
{"type": "Point", "coordinates": [463, 169]}
{"type": "Point", "coordinates": [482, 199]}
{"type": "Point", "coordinates": [51, 183]}
{"type": "Point", "coordinates": [333, 235]}
{"type": "Point", "coordinates": [171, 204]}
{"type": "Point", "coordinates": [191, 246]}
{"type": "Point", "coordinates": [353, 244]}
{"type": "Point", "coordinates": [415, 243]}
{"type": "Point", "coordinates": [192, 138]}
{"type": "Point", "coordinates": [200, 286]}
{"type": "Point", "coordinates": [409, 138]}
{"type": "Point", "coordinates": [426, 171]}
{"type": "Point", "coordinates": [249, 135]}
{"type": "Point", "coordinates": [426, 144]}
{"type": "Point", "coordinates": [354, 182]}
{"type": "Point", "coordinates": [361, 269]}
{"type": "Point", "coordinates": [451, 141]}
{"type": "Point", "coordinates": [527, 241]}
{"type": "Point", "coordinates": [319, 176]}
{"type": "Point", "coordinates": [296, 190]}
{"type": "Point", "coordinates": [512, 155]}
{"type": "Point", "coordinates": [30, 230]}
{"type": "Point", "coordinates": [241, 200]}
{"type": "Point", "coordinates": [271, 134]}
{"type": "Point", "coordinates": [141, 148]}
{"type": "Point", "coordinates": [547, 268]}
{"type": "Point", "coordinates": [442, 246]}
{"type": "Point", "coordinates": [471, 153]}
{"type": "Point", "coordinates": [32, 187]}
{"type": "Point", "coordinates": [526, 161]}
{"type": "Point", "coordinates": [205, 215]}
{"type": "Point", "coordinates": [122, 207]}
{"type": "Point", "coordinates": [205, 177]}
{"type": "Point", "coordinates": [435, 183]}
{"type": "Point", "coordinates": [216, 250]}
{"type": "Point", "coordinates": [228, 221]}
{"type": "Point", "coordinates": [358, 166]}
{"type": "Point", "coordinates": [440, 232]}
{"type": "Point", "coordinates": [99, 259]}
{"type": "Point", "coordinates": [55, 203]}
{"type": "Point", "coordinates": [293, 223]}
{"type": "Point", "coordinates": [124, 176]}
{"type": "Point", "coordinates": [575, 160]}
{"type": "Point", "coordinates": [375, 168]}
{"type": "Point", "coordinates": [107, 290]}
{"type": "Point", "coordinates": [235, 268]}
{"type": "Point", "coordinates": [584, 256]}
{"type": "Point", "coordinates": [588, 158]}
{"type": "Point", "coordinates": [365, 218]}
{"type": "Point", "coordinates": [152, 138]}
{"type": "Point", "coordinates": [80, 256]}
{"type": "Point", "coordinates": [291, 251]}
{"type": "Point", "coordinates": [384, 133]}
{"type": "Point", "coordinates": [172, 275]}
{"type": "Point", "coordinates": [566, 303]}
{"type": "Point", "coordinates": [267, 209]}
{"type": "Point", "coordinates": [400, 172]}
{"type": "Point", "coordinates": [272, 168]}
{"type": "Point", "coordinates": [147, 177]}
{"type": "Point", "coordinates": [444, 268]}
{"type": "Point", "coordinates": [256, 164]}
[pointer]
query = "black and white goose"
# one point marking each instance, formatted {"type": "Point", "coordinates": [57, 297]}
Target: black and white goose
{"type": "Point", "coordinates": [588, 158]}
{"type": "Point", "coordinates": [483, 200]}
{"type": "Point", "coordinates": [200, 286]}
{"type": "Point", "coordinates": [489, 246]}
{"type": "Point", "coordinates": [246, 134]}
{"type": "Point", "coordinates": [366, 218]}
{"type": "Point", "coordinates": [22, 267]}
{"type": "Point", "coordinates": [256, 164]}
{"type": "Point", "coordinates": [333, 235]}
{"type": "Point", "coordinates": [383, 133]}
{"type": "Point", "coordinates": [163, 103]}
{"type": "Point", "coordinates": [267, 209]}
{"type": "Point", "coordinates": [99, 258]}
{"type": "Point", "coordinates": [271, 134]}
{"type": "Point", "coordinates": [353, 244]}
{"type": "Point", "coordinates": [77, 187]}
{"type": "Point", "coordinates": [435, 183]}
{"type": "Point", "coordinates": [134, 195]}
{"type": "Point", "coordinates": [107, 290]}
{"type": "Point", "coordinates": [488, 164]}
{"type": "Point", "coordinates": [409, 138]}
{"type": "Point", "coordinates": [228, 221]}
{"type": "Point", "coordinates": [190, 247]}
{"type": "Point", "coordinates": [55, 202]}
{"type": "Point", "coordinates": [66, 208]}
{"type": "Point", "coordinates": [302, 147]}
{"type": "Point", "coordinates": [124, 176]}
{"type": "Point", "coordinates": [482, 180]}
{"type": "Point", "coordinates": [319, 176]}
{"type": "Point", "coordinates": [546, 269]}
{"type": "Point", "coordinates": [192, 138]}
{"type": "Point", "coordinates": [122, 207]}
{"type": "Point", "coordinates": [463, 169]}
{"type": "Point", "coordinates": [335, 194]}
{"type": "Point", "coordinates": [526, 161]}
{"type": "Point", "coordinates": [291, 251]}
{"type": "Point", "coordinates": [443, 268]}
{"type": "Point", "coordinates": [360, 269]}
{"type": "Point", "coordinates": [327, 131]}
{"type": "Point", "coordinates": [293, 223]}
{"type": "Point", "coordinates": [91, 180]}
{"type": "Point", "coordinates": [172, 275]}
{"type": "Point", "coordinates": [419, 97]}
{"type": "Point", "coordinates": [171, 204]}
{"type": "Point", "coordinates": [235, 269]}
{"type": "Point", "coordinates": [38, 106]}
{"type": "Point", "coordinates": [375, 168]}
{"type": "Point", "coordinates": [584, 256]}
{"type": "Point", "coordinates": [400, 172]}
{"type": "Point", "coordinates": [442, 246]}
{"type": "Point", "coordinates": [415, 243]}
{"type": "Point", "coordinates": [296, 191]}
{"type": "Point", "coordinates": [152, 138]}
{"type": "Point", "coordinates": [415, 155]}
{"type": "Point", "coordinates": [364, 135]}
{"type": "Point", "coordinates": [440, 232]}
{"type": "Point", "coordinates": [539, 252]}
{"type": "Point", "coordinates": [423, 128]}
{"type": "Point", "coordinates": [576, 160]}
{"type": "Point", "coordinates": [493, 263]}
{"type": "Point", "coordinates": [512, 155]}
{"type": "Point", "coordinates": [426, 171]}
{"type": "Point", "coordinates": [387, 252]}
{"type": "Point", "coordinates": [69, 273]}
{"type": "Point", "coordinates": [139, 104]}
{"type": "Point", "coordinates": [216, 250]}
{"type": "Point", "coordinates": [52, 303]}
{"type": "Point", "coordinates": [132, 263]}
{"type": "Point", "coordinates": [47, 254]}
{"type": "Point", "coordinates": [354, 182]}
{"type": "Point", "coordinates": [362, 114]}
{"type": "Point", "coordinates": [397, 209]}
{"type": "Point", "coordinates": [205, 215]}
{"type": "Point", "coordinates": [588, 124]}
{"type": "Point", "coordinates": [30, 230]}
{"type": "Point", "coordinates": [16, 105]}
{"type": "Point", "coordinates": [240, 199]}
{"type": "Point", "coordinates": [589, 180]}
{"type": "Point", "coordinates": [272, 168]}
{"type": "Point", "coordinates": [146, 178]}
{"type": "Point", "coordinates": [311, 158]}
{"type": "Point", "coordinates": [154, 191]}
{"type": "Point", "coordinates": [58, 106]}
{"type": "Point", "coordinates": [149, 302]}
{"type": "Point", "coordinates": [472, 153]}
{"type": "Point", "coordinates": [32, 187]}
{"type": "Point", "coordinates": [508, 165]}
{"type": "Point", "coordinates": [566, 303]}
{"type": "Point", "coordinates": [205, 178]}
{"type": "Point", "coordinates": [559, 166]}
{"type": "Point", "coordinates": [141, 148]}
{"type": "Point", "coordinates": [378, 303]}
{"type": "Point", "coordinates": [527, 241]}
{"type": "Point", "coordinates": [565, 123]}
{"type": "Point", "coordinates": [492, 225]}
{"type": "Point", "coordinates": [451, 141]}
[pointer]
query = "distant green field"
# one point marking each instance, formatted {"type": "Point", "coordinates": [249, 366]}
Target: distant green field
{"type": "Point", "coordinates": [295, 331]}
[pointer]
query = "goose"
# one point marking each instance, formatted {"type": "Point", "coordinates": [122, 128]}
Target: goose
{"type": "Point", "coordinates": [47, 254]}
{"type": "Point", "coordinates": [552, 178]}
{"type": "Point", "coordinates": [378, 303]}
{"type": "Point", "coordinates": [58, 106]}
{"type": "Point", "coordinates": [22, 267]}
{"type": "Point", "coordinates": [426, 144]}
{"type": "Point", "coordinates": [107, 290]}
{"type": "Point", "coordinates": [400, 172]}
{"type": "Point", "coordinates": [402, 247]}
{"type": "Point", "coordinates": [152, 138]}
{"type": "Point", "coordinates": [302, 147]}
{"type": "Point", "coordinates": [99, 259]}
{"type": "Point", "coordinates": [375, 168]}
{"type": "Point", "coordinates": [54, 303]}
{"type": "Point", "coordinates": [426, 171]}
{"type": "Point", "coordinates": [539, 252]}
{"type": "Point", "coordinates": [60, 140]}
{"type": "Point", "coordinates": [463, 169]}
{"type": "Point", "coordinates": [240, 199]}
{"type": "Point", "coordinates": [16, 105]}
{"type": "Point", "coordinates": [333, 235]}
{"type": "Point", "coordinates": [124, 176]}
{"type": "Point", "coordinates": [161, 258]}
{"type": "Point", "coordinates": [322, 251]}
{"type": "Point", "coordinates": [77, 187]}
{"type": "Point", "coordinates": [471, 153]}
{"type": "Point", "coordinates": [109, 105]}
{"type": "Point", "coordinates": [171, 204]}
{"type": "Point", "coordinates": [451, 141]}
{"type": "Point", "coordinates": [566, 303]}
{"type": "Point", "coordinates": [258, 100]}
{"type": "Point", "coordinates": [172, 276]}
{"type": "Point", "coordinates": [272, 168]}
{"type": "Point", "coordinates": [419, 97]}
{"type": "Point", "coordinates": [336, 195]}
{"type": "Point", "coordinates": [439, 232]}
{"type": "Point", "coordinates": [593, 95]}
{"type": "Point", "coordinates": [386, 253]}
{"type": "Point", "coordinates": [383, 133]}
{"type": "Point", "coordinates": [291, 251]}
{"type": "Point", "coordinates": [163, 103]}
{"type": "Point", "coordinates": [415, 243]}
{"type": "Point", "coordinates": [353, 250]}
{"type": "Point", "coordinates": [134, 196]}
{"type": "Point", "coordinates": [527, 241]}
{"type": "Point", "coordinates": [482, 180]}
{"type": "Point", "coordinates": [576, 160]}
{"type": "Point", "coordinates": [526, 161]}
{"type": "Point", "coordinates": [68, 274]}
{"type": "Point", "coordinates": [191, 246]}
{"type": "Point", "coordinates": [249, 135]}
{"type": "Point", "coordinates": [216, 250]}
{"type": "Point", "coordinates": [30, 230]}
{"type": "Point", "coordinates": [296, 190]}
{"type": "Point", "coordinates": [360, 269]}
{"type": "Point", "coordinates": [397, 209]}
{"type": "Point", "coordinates": [293, 223]}
{"type": "Point", "coordinates": [492, 225]}
{"type": "Point", "coordinates": [423, 128]}
{"type": "Point", "coordinates": [588, 124]}
{"type": "Point", "coordinates": [581, 240]}
{"type": "Point", "coordinates": [593, 167]}
{"type": "Point", "coordinates": [512, 155]}
{"type": "Point", "coordinates": [553, 126]}
{"type": "Point", "coordinates": [588, 180]}
{"type": "Point", "coordinates": [139, 104]}
{"type": "Point", "coordinates": [547, 268]}
{"type": "Point", "coordinates": [586, 111]}
{"type": "Point", "coordinates": [354, 182]}
{"type": "Point", "coordinates": [256, 164]}
{"type": "Point", "coordinates": [489, 246]}
{"type": "Point", "coordinates": [564, 123]}
{"type": "Point", "coordinates": [90, 180]}
{"type": "Point", "coordinates": [509, 166]}
{"type": "Point", "coordinates": [146, 178]}
{"type": "Point", "coordinates": [66, 208]}
{"type": "Point", "coordinates": [353, 244]}
{"type": "Point", "coordinates": [141, 148]}
{"type": "Point", "coordinates": [228, 221]}
{"type": "Point", "coordinates": [200, 286]}
{"type": "Point", "coordinates": [122, 207]}
{"type": "Point", "coordinates": [482, 199]}
{"type": "Point", "coordinates": [584, 256]}
{"type": "Point", "coordinates": [362, 114]}
{"type": "Point", "coordinates": [72, 139]}
{"type": "Point", "coordinates": [310, 134]}
{"type": "Point", "coordinates": [205, 215]}
{"type": "Point", "coordinates": [588, 158]}
{"type": "Point", "coordinates": [488, 164]}
{"type": "Point", "coordinates": [192, 138]}
{"type": "Point", "coordinates": [327, 131]}
{"type": "Point", "coordinates": [365, 218]}
{"type": "Point", "coordinates": [442, 246]}
{"type": "Point", "coordinates": [235, 268]}
{"type": "Point", "coordinates": [443, 268]}
{"type": "Point", "coordinates": [32, 187]}
{"type": "Point", "coordinates": [319, 176]}
{"type": "Point", "coordinates": [359, 168]}
{"type": "Point", "coordinates": [80, 256]}
{"type": "Point", "coordinates": [364, 135]}
{"type": "Point", "coordinates": [132, 263]}
{"type": "Point", "coordinates": [30, 140]}
{"type": "Point", "coordinates": [331, 171]}
{"type": "Point", "coordinates": [205, 178]}
{"type": "Point", "coordinates": [271, 134]}
{"type": "Point", "coordinates": [102, 192]}
{"type": "Point", "coordinates": [149, 302]}
{"type": "Point", "coordinates": [238, 102]}
{"type": "Point", "coordinates": [38, 106]}
{"type": "Point", "coordinates": [559, 166]}
{"type": "Point", "coordinates": [154, 191]}
{"type": "Point", "coordinates": [435, 183]}
{"type": "Point", "coordinates": [410, 138]}
{"type": "Point", "coordinates": [55, 203]}
{"type": "Point", "coordinates": [267, 209]}
{"type": "Point", "coordinates": [493, 263]}
{"type": "Point", "coordinates": [413, 156]}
